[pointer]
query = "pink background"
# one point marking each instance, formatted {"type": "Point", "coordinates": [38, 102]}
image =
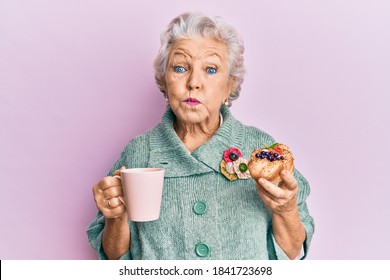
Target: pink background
{"type": "Point", "coordinates": [76, 83]}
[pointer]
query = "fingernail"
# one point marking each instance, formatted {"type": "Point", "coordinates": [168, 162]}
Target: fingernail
{"type": "Point", "coordinates": [284, 172]}
{"type": "Point", "coordinates": [261, 180]}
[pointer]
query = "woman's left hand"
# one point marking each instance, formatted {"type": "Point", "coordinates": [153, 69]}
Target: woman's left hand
{"type": "Point", "coordinates": [279, 199]}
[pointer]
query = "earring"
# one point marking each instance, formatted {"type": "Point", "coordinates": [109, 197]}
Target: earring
{"type": "Point", "coordinates": [166, 97]}
{"type": "Point", "coordinates": [227, 103]}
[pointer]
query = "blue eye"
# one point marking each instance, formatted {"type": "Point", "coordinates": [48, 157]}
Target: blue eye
{"type": "Point", "coordinates": [179, 69]}
{"type": "Point", "coordinates": [211, 70]}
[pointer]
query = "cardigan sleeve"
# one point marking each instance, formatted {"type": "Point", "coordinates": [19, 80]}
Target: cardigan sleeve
{"type": "Point", "coordinates": [95, 233]}
{"type": "Point", "coordinates": [95, 229]}
{"type": "Point", "coordinates": [275, 252]}
{"type": "Point", "coordinates": [134, 155]}
{"type": "Point", "coordinates": [260, 138]}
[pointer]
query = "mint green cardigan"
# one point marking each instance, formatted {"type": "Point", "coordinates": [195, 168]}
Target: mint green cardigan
{"type": "Point", "coordinates": [236, 223]}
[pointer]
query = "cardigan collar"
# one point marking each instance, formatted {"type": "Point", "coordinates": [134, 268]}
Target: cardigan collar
{"type": "Point", "coordinates": [168, 151]}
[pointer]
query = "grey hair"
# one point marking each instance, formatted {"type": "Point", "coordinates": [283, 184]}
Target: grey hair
{"type": "Point", "coordinates": [190, 25]}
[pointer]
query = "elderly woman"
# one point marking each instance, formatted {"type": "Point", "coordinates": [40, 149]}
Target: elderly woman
{"type": "Point", "coordinates": [199, 69]}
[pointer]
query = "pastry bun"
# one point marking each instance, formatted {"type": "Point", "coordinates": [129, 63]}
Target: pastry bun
{"type": "Point", "coordinates": [268, 162]}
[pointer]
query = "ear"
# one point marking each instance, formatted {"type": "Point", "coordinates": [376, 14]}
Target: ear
{"type": "Point", "coordinates": [161, 83]}
{"type": "Point", "coordinates": [231, 87]}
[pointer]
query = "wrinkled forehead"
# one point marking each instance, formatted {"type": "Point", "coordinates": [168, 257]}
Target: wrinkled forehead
{"type": "Point", "coordinates": [198, 48]}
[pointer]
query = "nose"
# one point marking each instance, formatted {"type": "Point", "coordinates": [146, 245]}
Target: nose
{"type": "Point", "coordinates": [194, 80]}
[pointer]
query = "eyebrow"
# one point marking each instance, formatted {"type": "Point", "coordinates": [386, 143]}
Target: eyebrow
{"type": "Point", "coordinates": [184, 53]}
{"type": "Point", "coordinates": [181, 52]}
{"type": "Point", "coordinates": [213, 54]}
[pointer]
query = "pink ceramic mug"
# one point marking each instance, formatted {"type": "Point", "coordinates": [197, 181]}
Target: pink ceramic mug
{"type": "Point", "coordinates": [142, 189]}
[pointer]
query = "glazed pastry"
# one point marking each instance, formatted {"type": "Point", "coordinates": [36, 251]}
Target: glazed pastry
{"type": "Point", "coordinates": [268, 162]}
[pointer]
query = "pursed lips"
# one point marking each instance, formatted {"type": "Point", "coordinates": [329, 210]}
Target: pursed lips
{"type": "Point", "coordinates": [192, 101]}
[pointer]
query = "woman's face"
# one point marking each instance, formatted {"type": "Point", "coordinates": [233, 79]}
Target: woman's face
{"type": "Point", "coordinates": [197, 79]}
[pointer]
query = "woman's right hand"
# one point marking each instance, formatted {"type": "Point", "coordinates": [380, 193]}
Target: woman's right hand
{"type": "Point", "coordinates": [108, 195]}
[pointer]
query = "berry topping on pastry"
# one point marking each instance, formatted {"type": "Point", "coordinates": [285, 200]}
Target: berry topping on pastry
{"type": "Point", "coordinates": [268, 162]}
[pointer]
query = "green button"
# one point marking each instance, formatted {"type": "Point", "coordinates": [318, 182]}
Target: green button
{"type": "Point", "coordinates": [202, 250]}
{"type": "Point", "coordinates": [200, 208]}
{"type": "Point", "coordinates": [242, 167]}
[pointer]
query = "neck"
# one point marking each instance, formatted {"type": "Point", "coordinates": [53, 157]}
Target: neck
{"type": "Point", "coordinates": [194, 135]}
